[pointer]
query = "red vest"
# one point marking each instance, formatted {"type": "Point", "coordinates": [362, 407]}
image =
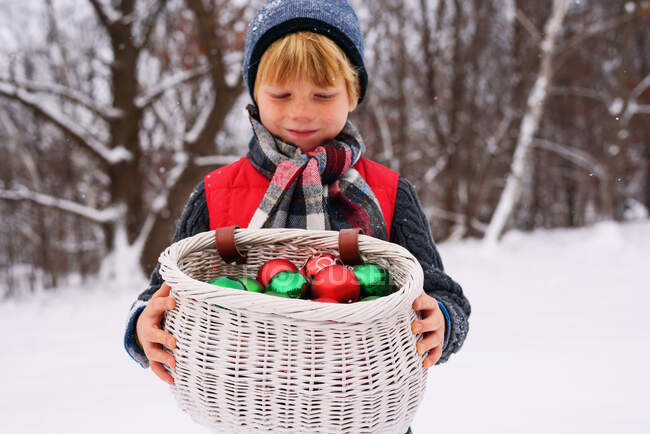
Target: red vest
{"type": "Point", "coordinates": [233, 192]}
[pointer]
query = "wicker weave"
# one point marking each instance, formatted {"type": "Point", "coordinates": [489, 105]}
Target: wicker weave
{"type": "Point", "coordinates": [249, 362]}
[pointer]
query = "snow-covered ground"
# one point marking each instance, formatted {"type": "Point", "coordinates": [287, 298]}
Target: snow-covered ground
{"type": "Point", "coordinates": [559, 343]}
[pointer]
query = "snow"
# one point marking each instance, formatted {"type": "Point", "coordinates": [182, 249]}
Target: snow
{"type": "Point", "coordinates": [559, 342]}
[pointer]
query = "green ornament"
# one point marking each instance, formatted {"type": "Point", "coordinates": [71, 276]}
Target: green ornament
{"type": "Point", "coordinates": [277, 294]}
{"type": "Point", "coordinates": [291, 283]}
{"type": "Point", "coordinates": [375, 280]}
{"type": "Point", "coordinates": [251, 285]}
{"type": "Point", "coordinates": [370, 297]}
{"type": "Point", "coordinates": [228, 282]}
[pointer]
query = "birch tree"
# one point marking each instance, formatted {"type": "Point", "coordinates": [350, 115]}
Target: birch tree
{"type": "Point", "coordinates": [529, 124]}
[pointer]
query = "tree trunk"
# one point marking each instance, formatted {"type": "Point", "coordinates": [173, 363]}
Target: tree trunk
{"type": "Point", "coordinates": [529, 125]}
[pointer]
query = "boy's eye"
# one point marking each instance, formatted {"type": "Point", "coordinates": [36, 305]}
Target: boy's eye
{"type": "Point", "coordinates": [280, 95]}
{"type": "Point", "coordinates": [325, 95]}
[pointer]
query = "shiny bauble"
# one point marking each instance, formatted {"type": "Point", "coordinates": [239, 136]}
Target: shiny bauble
{"type": "Point", "coordinates": [227, 282]}
{"type": "Point", "coordinates": [251, 285]}
{"type": "Point", "coordinates": [317, 262]}
{"type": "Point", "coordinates": [370, 298]}
{"type": "Point", "coordinates": [271, 268]}
{"type": "Point", "coordinates": [374, 280]}
{"type": "Point", "coordinates": [325, 300]}
{"type": "Point", "coordinates": [337, 282]}
{"type": "Point", "coordinates": [291, 283]}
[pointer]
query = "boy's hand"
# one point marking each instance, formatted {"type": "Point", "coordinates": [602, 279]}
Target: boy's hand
{"type": "Point", "coordinates": [432, 325]}
{"type": "Point", "coordinates": [152, 337]}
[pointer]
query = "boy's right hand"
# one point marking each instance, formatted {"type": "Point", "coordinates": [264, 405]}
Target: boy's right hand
{"type": "Point", "coordinates": [152, 337]}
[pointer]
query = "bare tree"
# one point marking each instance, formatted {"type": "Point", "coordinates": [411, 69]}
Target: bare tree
{"type": "Point", "coordinates": [114, 135]}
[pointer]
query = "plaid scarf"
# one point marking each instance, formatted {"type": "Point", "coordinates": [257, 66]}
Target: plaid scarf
{"type": "Point", "coordinates": [316, 190]}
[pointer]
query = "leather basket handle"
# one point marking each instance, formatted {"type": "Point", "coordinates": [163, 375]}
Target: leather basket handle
{"type": "Point", "coordinates": [225, 242]}
{"type": "Point", "coordinates": [349, 246]}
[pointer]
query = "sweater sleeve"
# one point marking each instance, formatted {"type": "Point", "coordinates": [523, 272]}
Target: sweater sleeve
{"type": "Point", "coordinates": [411, 230]}
{"type": "Point", "coordinates": [194, 219]}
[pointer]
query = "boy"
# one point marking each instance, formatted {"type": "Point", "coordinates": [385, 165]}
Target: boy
{"type": "Point", "coordinates": [305, 72]}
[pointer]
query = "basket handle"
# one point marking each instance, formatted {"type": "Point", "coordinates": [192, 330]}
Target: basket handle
{"type": "Point", "coordinates": [225, 242]}
{"type": "Point", "coordinates": [349, 246]}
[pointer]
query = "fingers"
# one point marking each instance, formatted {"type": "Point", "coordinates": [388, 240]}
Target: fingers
{"type": "Point", "coordinates": [432, 317]}
{"type": "Point", "coordinates": [434, 321]}
{"type": "Point", "coordinates": [433, 357]}
{"type": "Point", "coordinates": [163, 291]}
{"type": "Point", "coordinates": [425, 302]}
{"type": "Point", "coordinates": [156, 354]}
{"type": "Point", "coordinates": [432, 343]}
{"type": "Point", "coordinates": [160, 371]}
{"type": "Point", "coordinates": [156, 358]}
{"type": "Point", "coordinates": [154, 335]}
{"type": "Point", "coordinates": [158, 305]}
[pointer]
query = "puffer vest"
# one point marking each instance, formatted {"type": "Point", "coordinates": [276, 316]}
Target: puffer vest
{"type": "Point", "coordinates": [233, 192]}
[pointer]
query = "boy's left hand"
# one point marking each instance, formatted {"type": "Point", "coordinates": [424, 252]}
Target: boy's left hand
{"type": "Point", "coordinates": [432, 325]}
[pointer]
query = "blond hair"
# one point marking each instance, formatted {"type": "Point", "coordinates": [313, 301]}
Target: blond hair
{"type": "Point", "coordinates": [307, 55]}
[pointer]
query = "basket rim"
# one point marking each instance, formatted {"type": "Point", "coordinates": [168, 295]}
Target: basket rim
{"type": "Point", "coordinates": [186, 287]}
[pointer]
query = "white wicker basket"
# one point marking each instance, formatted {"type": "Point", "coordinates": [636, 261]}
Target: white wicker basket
{"type": "Point", "coordinates": [249, 362]}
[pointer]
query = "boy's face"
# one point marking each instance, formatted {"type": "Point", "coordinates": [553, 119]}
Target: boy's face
{"type": "Point", "coordinates": [301, 113]}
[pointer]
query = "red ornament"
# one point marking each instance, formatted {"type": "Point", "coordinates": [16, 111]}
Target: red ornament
{"type": "Point", "coordinates": [271, 268]}
{"type": "Point", "coordinates": [317, 263]}
{"type": "Point", "coordinates": [337, 282]}
{"type": "Point", "coordinates": [325, 300]}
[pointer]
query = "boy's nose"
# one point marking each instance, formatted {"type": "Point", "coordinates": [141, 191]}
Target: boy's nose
{"type": "Point", "coordinates": [301, 111]}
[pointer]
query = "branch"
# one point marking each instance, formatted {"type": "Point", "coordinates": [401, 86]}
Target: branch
{"type": "Point", "coordinates": [564, 51]}
{"type": "Point", "coordinates": [576, 156]}
{"type": "Point", "coordinates": [528, 25]}
{"type": "Point", "coordinates": [151, 23]}
{"type": "Point", "coordinates": [200, 123]}
{"type": "Point", "coordinates": [595, 30]}
{"type": "Point", "coordinates": [94, 215]}
{"type": "Point", "coordinates": [150, 96]}
{"type": "Point", "coordinates": [69, 126]}
{"type": "Point", "coordinates": [73, 95]}
{"type": "Point", "coordinates": [106, 21]}
{"type": "Point", "coordinates": [632, 107]}
{"type": "Point", "coordinates": [434, 171]}
{"type": "Point", "coordinates": [215, 160]}
{"type": "Point", "coordinates": [580, 91]}
{"type": "Point", "coordinates": [640, 88]}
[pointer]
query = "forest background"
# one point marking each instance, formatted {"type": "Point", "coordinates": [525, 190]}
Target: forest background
{"type": "Point", "coordinates": [505, 114]}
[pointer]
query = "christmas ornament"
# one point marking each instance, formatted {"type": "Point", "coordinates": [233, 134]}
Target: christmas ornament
{"type": "Point", "coordinates": [271, 268]}
{"type": "Point", "coordinates": [227, 282]}
{"type": "Point", "coordinates": [374, 280]}
{"type": "Point", "coordinates": [325, 300]}
{"type": "Point", "coordinates": [291, 283]}
{"type": "Point", "coordinates": [277, 294]}
{"type": "Point", "coordinates": [251, 285]}
{"type": "Point", "coordinates": [336, 282]}
{"type": "Point", "coordinates": [317, 263]}
{"type": "Point", "coordinates": [370, 298]}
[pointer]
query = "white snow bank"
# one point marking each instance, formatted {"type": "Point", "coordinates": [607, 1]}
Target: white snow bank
{"type": "Point", "coordinates": [559, 342]}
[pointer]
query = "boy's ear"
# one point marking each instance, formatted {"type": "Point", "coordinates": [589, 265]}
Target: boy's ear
{"type": "Point", "coordinates": [352, 105]}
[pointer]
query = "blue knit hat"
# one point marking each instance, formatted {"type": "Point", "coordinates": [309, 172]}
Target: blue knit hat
{"type": "Point", "coordinates": [333, 18]}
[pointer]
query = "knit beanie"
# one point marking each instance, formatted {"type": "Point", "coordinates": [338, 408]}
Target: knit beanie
{"type": "Point", "coordinates": [332, 18]}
